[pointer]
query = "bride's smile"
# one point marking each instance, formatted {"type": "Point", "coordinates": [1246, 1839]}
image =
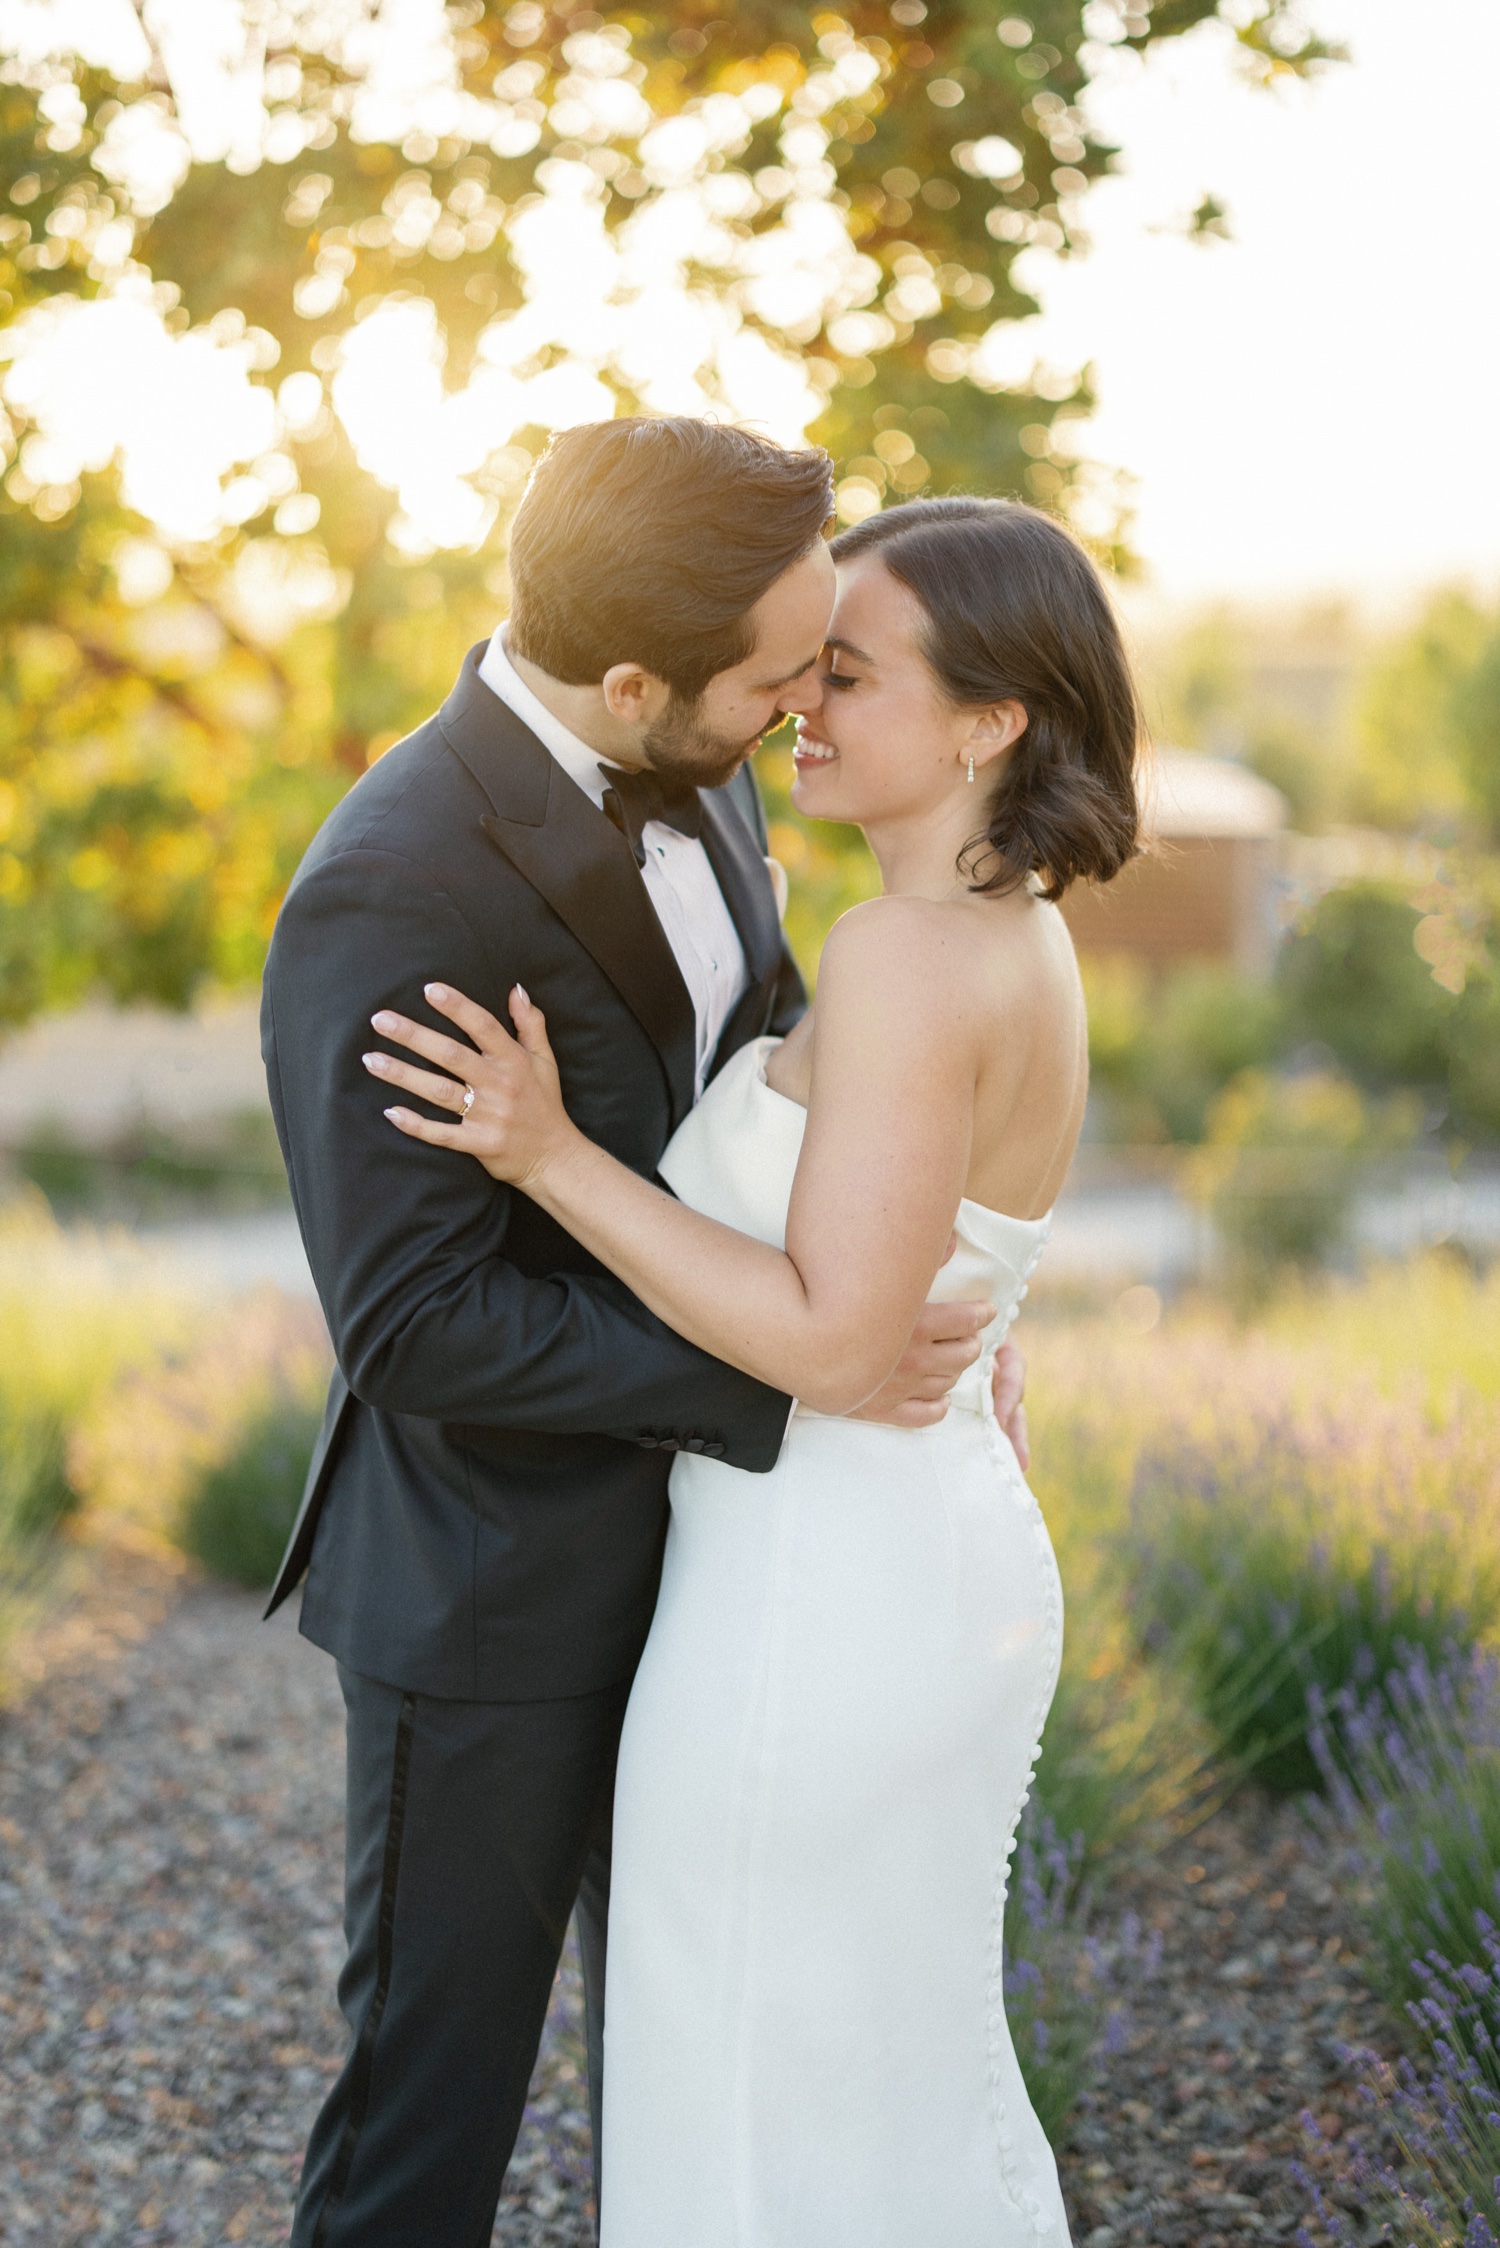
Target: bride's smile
{"type": "Point", "coordinates": [886, 747]}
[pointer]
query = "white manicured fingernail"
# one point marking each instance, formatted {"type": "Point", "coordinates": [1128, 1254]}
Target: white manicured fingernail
{"type": "Point", "coordinates": [435, 991]}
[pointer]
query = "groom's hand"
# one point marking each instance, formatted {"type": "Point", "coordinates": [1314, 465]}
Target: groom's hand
{"type": "Point", "coordinates": [1010, 1399]}
{"type": "Point", "coordinates": [944, 1343]}
{"type": "Point", "coordinates": [946, 1340]}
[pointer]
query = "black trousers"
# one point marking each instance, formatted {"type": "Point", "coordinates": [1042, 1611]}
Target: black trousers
{"type": "Point", "coordinates": [473, 1830]}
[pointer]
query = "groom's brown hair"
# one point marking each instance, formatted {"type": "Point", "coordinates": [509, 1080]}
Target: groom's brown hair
{"type": "Point", "coordinates": [650, 541]}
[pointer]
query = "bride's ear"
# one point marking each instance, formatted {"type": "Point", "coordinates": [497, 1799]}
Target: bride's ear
{"type": "Point", "coordinates": [995, 729]}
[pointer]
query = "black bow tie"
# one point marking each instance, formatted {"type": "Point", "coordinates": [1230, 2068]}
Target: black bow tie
{"type": "Point", "coordinates": [631, 799]}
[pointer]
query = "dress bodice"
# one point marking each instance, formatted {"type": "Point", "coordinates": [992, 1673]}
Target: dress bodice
{"type": "Point", "coordinates": [734, 1158]}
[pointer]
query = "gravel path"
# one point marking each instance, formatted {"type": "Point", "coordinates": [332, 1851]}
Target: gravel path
{"type": "Point", "coordinates": [169, 1886]}
{"type": "Point", "coordinates": [1189, 2137]}
{"type": "Point", "coordinates": [170, 1867]}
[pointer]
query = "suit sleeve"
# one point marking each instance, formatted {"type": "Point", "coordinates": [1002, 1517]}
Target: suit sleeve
{"type": "Point", "coordinates": [407, 1243]}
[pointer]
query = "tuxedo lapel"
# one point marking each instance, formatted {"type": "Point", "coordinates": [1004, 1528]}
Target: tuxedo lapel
{"type": "Point", "coordinates": [735, 856]}
{"type": "Point", "coordinates": [581, 864]}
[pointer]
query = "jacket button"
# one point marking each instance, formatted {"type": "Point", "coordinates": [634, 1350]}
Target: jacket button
{"type": "Point", "coordinates": [667, 1444]}
{"type": "Point", "coordinates": [692, 1444]}
{"type": "Point", "coordinates": [648, 1443]}
{"type": "Point", "coordinates": [714, 1451]}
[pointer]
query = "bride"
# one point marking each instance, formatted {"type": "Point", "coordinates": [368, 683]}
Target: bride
{"type": "Point", "coordinates": [831, 1733]}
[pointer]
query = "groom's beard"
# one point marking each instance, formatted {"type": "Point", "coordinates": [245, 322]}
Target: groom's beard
{"type": "Point", "coordinates": [682, 747]}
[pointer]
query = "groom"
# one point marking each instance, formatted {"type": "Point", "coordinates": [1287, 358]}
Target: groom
{"type": "Point", "coordinates": [483, 1522]}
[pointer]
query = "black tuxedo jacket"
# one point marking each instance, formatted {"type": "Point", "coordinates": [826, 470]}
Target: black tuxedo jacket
{"type": "Point", "coordinates": [484, 1514]}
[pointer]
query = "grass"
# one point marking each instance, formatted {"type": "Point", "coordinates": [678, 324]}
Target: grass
{"type": "Point", "coordinates": [1250, 1512]}
{"type": "Point", "coordinates": [1413, 1772]}
{"type": "Point", "coordinates": [1280, 1545]}
{"type": "Point", "coordinates": [209, 1448]}
{"type": "Point", "coordinates": [1246, 1511]}
{"type": "Point", "coordinates": [78, 1315]}
{"type": "Point", "coordinates": [1414, 1789]}
{"type": "Point", "coordinates": [129, 1415]}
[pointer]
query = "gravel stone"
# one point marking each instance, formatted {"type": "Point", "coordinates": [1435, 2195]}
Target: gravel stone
{"type": "Point", "coordinates": [170, 1868]}
{"type": "Point", "coordinates": [170, 1891]}
{"type": "Point", "coordinates": [1189, 2136]}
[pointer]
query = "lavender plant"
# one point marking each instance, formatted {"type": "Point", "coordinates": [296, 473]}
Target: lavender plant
{"type": "Point", "coordinates": [1433, 2174]}
{"type": "Point", "coordinates": [1282, 1546]}
{"type": "Point", "coordinates": [1412, 1767]}
{"type": "Point", "coordinates": [1412, 1771]}
{"type": "Point", "coordinates": [1066, 1987]}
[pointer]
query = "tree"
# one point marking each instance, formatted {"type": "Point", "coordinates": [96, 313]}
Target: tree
{"type": "Point", "coordinates": [207, 630]}
{"type": "Point", "coordinates": [1429, 723]}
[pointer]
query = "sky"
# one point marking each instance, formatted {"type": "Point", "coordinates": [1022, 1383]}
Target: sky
{"type": "Point", "coordinates": [1313, 406]}
{"type": "Point", "coordinates": [1306, 409]}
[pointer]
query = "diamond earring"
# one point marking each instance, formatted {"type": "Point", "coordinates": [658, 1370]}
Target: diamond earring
{"type": "Point", "coordinates": [971, 772]}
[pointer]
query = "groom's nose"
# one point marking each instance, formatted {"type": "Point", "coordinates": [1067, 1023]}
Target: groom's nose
{"type": "Point", "coordinates": [804, 695]}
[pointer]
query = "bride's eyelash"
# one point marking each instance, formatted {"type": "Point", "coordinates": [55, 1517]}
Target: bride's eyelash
{"type": "Point", "coordinates": [838, 679]}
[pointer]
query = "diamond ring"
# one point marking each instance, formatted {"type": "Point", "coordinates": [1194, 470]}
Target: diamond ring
{"type": "Point", "coordinates": [468, 1098]}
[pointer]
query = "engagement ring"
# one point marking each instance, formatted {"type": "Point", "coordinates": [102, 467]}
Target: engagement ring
{"type": "Point", "coordinates": [468, 1098]}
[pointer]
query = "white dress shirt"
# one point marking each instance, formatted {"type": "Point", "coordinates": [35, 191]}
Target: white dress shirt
{"type": "Point", "coordinates": [680, 883]}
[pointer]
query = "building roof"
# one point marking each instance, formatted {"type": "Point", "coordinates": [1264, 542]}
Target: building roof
{"type": "Point", "coordinates": [1187, 793]}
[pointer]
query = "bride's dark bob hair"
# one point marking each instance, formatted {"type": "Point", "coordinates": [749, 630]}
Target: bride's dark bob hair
{"type": "Point", "coordinates": [1016, 611]}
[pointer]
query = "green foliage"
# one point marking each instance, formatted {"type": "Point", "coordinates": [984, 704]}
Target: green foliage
{"type": "Point", "coordinates": [35, 1490]}
{"type": "Point", "coordinates": [1413, 1766]}
{"type": "Point", "coordinates": [238, 1514]}
{"type": "Point", "coordinates": [1053, 2002]}
{"type": "Point", "coordinates": [144, 1170]}
{"type": "Point", "coordinates": [1280, 1547]}
{"type": "Point", "coordinates": [72, 1326]}
{"type": "Point", "coordinates": [165, 751]}
{"type": "Point", "coordinates": [1429, 723]}
{"type": "Point", "coordinates": [1403, 990]}
{"type": "Point", "coordinates": [1161, 1049]}
{"type": "Point", "coordinates": [1281, 1160]}
{"type": "Point", "coordinates": [1353, 982]}
{"type": "Point", "coordinates": [1273, 692]}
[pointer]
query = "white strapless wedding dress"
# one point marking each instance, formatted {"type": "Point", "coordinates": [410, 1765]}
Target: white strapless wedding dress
{"type": "Point", "coordinates": [828, 1745]}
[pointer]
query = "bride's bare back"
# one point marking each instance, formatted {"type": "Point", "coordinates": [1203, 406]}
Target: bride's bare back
{"type": "Point", "coordinates": [1023, 1024]}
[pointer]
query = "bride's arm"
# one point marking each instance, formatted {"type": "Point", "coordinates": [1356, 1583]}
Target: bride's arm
{"type": "Point", "coordinates": [880, 1178]}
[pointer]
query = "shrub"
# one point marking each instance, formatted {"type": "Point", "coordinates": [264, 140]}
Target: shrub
{"type": "Point", "coordinates": [35, 1491]}
{"type": "Point", "coordinates": [1441, 2125]}
{"type": "Point", "coordinates": [1413, 1778]}
{"type": "Point", "coordinates": [1413, 1774]}
{"type": "Point", "coordinates": [238, 1513]}
{"type": "Point", "coordinates": [1281, 1546]}
{"type": "Point", "coordinates": [75, 1316]}
{"type": "Point", "coordinates": [1161, 1049]}
{"type": "Point", "coordinates": [1352, 981]}
{"type": "Point", "coordinates": [1474, 1055]}
{"type": "Point", "coordinates": [1281, 1162]}
{"type": "Point", "coordinates": [1065, 1990]}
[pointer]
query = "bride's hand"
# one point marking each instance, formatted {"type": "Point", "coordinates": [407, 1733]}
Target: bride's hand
{"type": "Point", "coordinates": [506, 1096]}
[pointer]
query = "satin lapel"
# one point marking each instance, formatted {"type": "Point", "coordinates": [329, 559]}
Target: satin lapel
{"type": "Point", "coordinates": [736, 859]}
{"type": "Point", "coordinates": [569, 852]}
{"type": "Point", "coordinates": [735, 856]}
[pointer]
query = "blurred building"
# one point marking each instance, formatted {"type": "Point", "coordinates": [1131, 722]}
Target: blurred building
{"type": "Point", "coordinates": [1210, 882]}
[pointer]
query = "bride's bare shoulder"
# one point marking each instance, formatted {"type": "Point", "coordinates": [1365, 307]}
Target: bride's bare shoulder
{"type": "Point", "coordinates": [951, 947]}
{"type": "Point", "coordinates": [892, 946]}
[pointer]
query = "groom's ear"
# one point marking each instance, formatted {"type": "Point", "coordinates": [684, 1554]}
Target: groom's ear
{"type": "Point", "coordinates": [633, 695]}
